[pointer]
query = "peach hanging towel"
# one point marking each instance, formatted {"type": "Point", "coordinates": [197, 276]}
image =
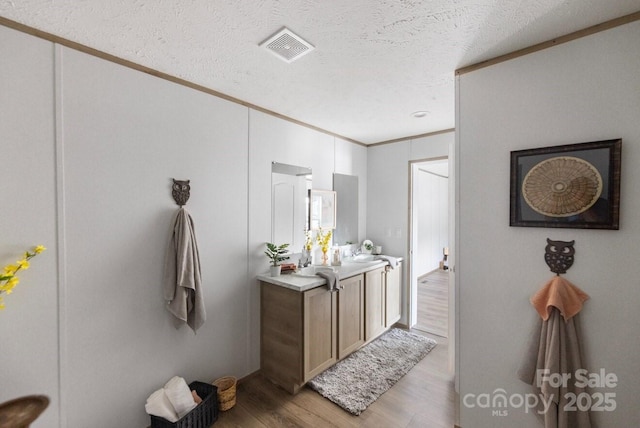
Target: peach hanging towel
{"type": "Point", "coordinates": [561, 294]}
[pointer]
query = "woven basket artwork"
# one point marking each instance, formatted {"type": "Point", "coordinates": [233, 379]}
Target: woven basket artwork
{"type": "Point", "coordinates": [562, 186]}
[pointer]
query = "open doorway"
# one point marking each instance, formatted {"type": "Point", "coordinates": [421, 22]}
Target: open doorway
{"type": "Point", "coordinates": [429, 244]}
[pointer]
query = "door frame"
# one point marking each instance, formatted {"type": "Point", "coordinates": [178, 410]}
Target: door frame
{"type": "Point", "coordinates": [412, 300]}
{"type": "Point", "coordinates": [412, 288]}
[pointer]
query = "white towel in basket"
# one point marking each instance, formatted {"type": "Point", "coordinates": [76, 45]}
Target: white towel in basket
{"type": "Point", "coordinates": [158, 404]}
{"type": "Point", "coordinates": [179, 395]}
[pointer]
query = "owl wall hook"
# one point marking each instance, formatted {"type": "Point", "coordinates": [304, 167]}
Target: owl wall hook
{"type": "Point", "coordinates": [559, 255]}
{"type": "Point", "coordinates": [180, 191]}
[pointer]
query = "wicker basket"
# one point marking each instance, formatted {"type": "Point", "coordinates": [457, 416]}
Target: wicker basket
{"type": "Point", "coordinates": [226, 392]}
{"type": "Point", "coordinates": [202, 416]}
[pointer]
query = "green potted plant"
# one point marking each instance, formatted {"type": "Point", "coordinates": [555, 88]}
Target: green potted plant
{"type": "Point", "coordinates": [276, 254]}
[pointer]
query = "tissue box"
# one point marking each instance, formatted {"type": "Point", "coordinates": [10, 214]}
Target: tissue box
{"type": "Point", "coordinates": [202, 416]}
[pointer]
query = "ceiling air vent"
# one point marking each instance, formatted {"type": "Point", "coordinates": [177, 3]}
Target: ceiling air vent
{"type": "Point", "coordinates": [287, 46]}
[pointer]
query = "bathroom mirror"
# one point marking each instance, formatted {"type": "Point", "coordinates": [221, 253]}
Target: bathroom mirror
{"type": "Point", "coordinates": [322, 209]}
{"type": "Point", "coordinates": [289, 206]}
{"type": "Point", "coordinates": [346, 188]}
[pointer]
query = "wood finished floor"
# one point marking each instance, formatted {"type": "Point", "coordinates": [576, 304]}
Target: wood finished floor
{"type": "Point", "coordinates": [433, 303]}
{"type": "Point", "coordinates": [423, 398]}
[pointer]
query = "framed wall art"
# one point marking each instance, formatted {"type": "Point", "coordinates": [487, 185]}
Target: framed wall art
{"type": "Point", "coordinates": [570, 186]}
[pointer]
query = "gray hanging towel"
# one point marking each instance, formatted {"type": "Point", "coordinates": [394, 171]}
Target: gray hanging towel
{"type": "Point", "coordinates": [555, 350]}
{"type": "Point", "coordinates": [182, 277]}
{"type": "Point", "coordinates": [332, 278]}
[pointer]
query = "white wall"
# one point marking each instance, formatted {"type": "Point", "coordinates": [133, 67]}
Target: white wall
{"type": "Point", "coordinates": [430, 215]}
{"type": "Point", "coordinates": [585, 90]}
{"type": "Point", "coordinates": [388, 193]}
{"type": "Point", "coordinates": [90, 151]}
{"type": "Point", "coordinates": [28, 324]}
{"type": "Point", "coordinates": [125, 134]}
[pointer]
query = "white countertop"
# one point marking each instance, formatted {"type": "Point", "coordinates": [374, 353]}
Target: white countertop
{"type": "Point", "coordinates": [304, 283]}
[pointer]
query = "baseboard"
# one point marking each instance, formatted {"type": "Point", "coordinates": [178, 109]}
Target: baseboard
{"type": "Point", "coordinates": [401, 325]}
{"type": "Point", "coordinates": [249, 376]}
{"type": "Point", "coordinates": [430, 272]}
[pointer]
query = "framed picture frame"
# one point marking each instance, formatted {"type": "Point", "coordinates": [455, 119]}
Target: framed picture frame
{"type": "Point", "coordinates": [322, 209]}
{"type": "Point", "coordinates": [569, 186]}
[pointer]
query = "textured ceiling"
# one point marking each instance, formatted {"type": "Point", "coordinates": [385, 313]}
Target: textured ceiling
{"type": "Point", "coordinates": [374, 62]}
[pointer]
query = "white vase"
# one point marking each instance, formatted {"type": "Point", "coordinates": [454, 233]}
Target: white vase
{"type": "Point", "coordinates": [275, 270]}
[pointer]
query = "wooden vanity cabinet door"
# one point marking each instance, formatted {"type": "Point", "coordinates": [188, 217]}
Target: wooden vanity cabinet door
{"type": "Point", "coordinates": [350, 315]}
{"type": "Point", "coordinates": [281, 358]}
{"type": "Point", "coordinates": [375, 296]}
{"type": "Point", "coordinates": [319, 331]}
{"type": "Point", "coordinates": [394, 295]}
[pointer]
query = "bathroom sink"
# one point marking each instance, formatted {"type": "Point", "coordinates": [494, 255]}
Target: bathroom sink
{"type": "Point", "coordinates": [311, 271]}
{"type": "Point", "coordinates": [364, 258]}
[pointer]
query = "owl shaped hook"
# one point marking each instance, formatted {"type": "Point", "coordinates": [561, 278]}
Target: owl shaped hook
{"type": "Point", "coordinates": [180, 191]}
{"type": "Point", "coordinates": [559, 255]}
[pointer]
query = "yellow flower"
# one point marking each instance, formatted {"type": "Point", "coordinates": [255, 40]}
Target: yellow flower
{"type": "Point", "coordinates": [308, 243]}
{"type": "Point", "coordinates": [10, 285]}
{"type": "Point", "coordinates": [9, 280]}
{"type": "Point", "coordinates": [10, 269]}
{"type": "Point", "coordinates": [323, 239]}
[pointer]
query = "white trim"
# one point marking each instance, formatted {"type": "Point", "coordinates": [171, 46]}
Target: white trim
{"type": "Point", "coordinates": [60, 225]}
